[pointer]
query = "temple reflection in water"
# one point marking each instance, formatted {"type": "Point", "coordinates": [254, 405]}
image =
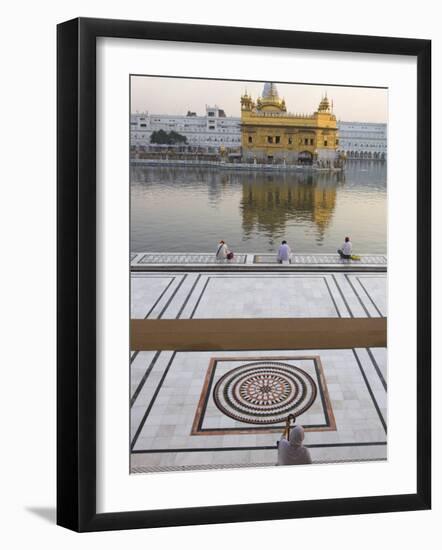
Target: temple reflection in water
{"type": "Point", "coordinates": [186, 210]}
{"type": "Point", "coordinates": [269, 202]}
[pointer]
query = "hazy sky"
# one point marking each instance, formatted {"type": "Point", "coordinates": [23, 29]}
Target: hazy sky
{"type": "Point", "coordinates": [176, 96]}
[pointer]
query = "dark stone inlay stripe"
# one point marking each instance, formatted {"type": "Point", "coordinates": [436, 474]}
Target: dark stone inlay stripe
{"type": "Point", "coordinates": [199, 297]}
{"type": "Point", "coordinates": [357, 295]}
{"type": "Point", "coordinates": [188, 296]}
{"type": "Point", "coordinates": [260, 448]}
{"type": "Point", "coordinates": [368, 295]}
{"type": "Point", "coordinates": [376, 366]}
{"type": "Point", "coordinates": [370, 391]}
{"type": "Point", "coordinates": [342, 296]}
{"type": "Point", "coordinates": [276, 428]}
{"type": "Point", "coordinates": [331, 296]}
{"type": "Point", "coordinates": [152, 401]}
{"type": "Point", "coordinates": [172, 296]}
{"type": "Point", "coordinates": [145, 377]}
{"type": "Point", "coordinates": [159, 298]}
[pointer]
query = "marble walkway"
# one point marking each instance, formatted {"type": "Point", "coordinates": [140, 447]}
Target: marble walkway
{"type": "Point", "coordinates": [198, 410]}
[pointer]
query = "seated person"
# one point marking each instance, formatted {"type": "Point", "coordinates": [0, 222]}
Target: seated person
{"type": "Point", "coordinates": [345, 250]}
{"type": "Point", "coordinates": [222, 251]}
{"type": "Point", "coordinates": [284, 253]}
{"type": "Point", "coordinates": [293, 451]}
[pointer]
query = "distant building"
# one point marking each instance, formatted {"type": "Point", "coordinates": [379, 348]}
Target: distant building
{"type": "Point", "coordinates": [208, 132]}
{"type": "Point", "coordinates": [363, 140]}
{"type": "Point", "coordinates": [266, 132]}
{"type": "Point", "coordinates": [269, 133]}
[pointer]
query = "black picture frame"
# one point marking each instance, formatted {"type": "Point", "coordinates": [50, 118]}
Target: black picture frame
{"type": "Point", "coordinates": [76, 274]}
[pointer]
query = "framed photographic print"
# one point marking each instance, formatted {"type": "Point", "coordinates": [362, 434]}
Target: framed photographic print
{"type": "Point", "coordinates": [243, 274]}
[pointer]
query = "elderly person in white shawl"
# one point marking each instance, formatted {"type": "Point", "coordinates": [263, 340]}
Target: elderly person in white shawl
{"type": "Point", "coordinates": [293, 451]}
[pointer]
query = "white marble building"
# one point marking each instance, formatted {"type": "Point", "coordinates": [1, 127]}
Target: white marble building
{"type": "Point", "coordinates": [209, 131]}
{"type": "Point", "coordinates": [358, 140]}
{"type": "Point", "coordinates": [363, 140]}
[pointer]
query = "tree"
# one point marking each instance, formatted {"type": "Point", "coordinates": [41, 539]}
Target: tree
{"type": "Point", "coordinates": [163, 138]}
{"type": "Point", "coordinates": [175, 137]}
{"type": "Point", "coordinates": [159, 136]}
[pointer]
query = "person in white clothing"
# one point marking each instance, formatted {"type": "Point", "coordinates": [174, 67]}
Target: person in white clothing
{"type": "Point", "coordinates": [291, 450]}
{"type": "Point", "coordinates": [222, 251]}
{"type": "Point", "coordinates": [284, 253]}
{"type": "Point", "coordinates": [345, 250]}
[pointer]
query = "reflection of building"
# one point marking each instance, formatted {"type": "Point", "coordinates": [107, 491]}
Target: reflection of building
{"type": "Point", "coordinates": [208, 132]}
{"type": "Point", "coordinates": [363, 140]}
{"type": "Point", "coordinates": [270, 202]}
{"type": "Point", "coordinates": [270, 133]}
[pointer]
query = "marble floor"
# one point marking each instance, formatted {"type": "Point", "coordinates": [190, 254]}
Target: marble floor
{"type": "Point", "coordinates": [226, 409]}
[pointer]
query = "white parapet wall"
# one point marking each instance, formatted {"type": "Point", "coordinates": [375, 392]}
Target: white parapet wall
{"type": "Point", "coordinates": [142, 261]}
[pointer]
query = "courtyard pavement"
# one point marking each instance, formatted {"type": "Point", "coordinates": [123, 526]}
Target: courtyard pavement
{"type": "Point", "coordinates": [206, 409]}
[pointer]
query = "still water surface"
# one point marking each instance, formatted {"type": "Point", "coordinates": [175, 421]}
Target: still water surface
{"type": "Point", "coordinates": [191, 209]}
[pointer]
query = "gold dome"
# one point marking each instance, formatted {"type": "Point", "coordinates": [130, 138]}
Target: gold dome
{"type": "Point", "coordinates": [324, 106]}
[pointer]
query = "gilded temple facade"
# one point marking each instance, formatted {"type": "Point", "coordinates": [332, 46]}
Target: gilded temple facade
{"type": "Point", "coordinates": [271, 134]}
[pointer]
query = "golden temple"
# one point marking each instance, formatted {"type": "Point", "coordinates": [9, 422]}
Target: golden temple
{"type": "Point", "coordinates": [271, 134]}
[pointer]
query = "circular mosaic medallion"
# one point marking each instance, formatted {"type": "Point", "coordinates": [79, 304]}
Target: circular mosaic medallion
{"type": "Point", "coordinates": [264, 392]}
